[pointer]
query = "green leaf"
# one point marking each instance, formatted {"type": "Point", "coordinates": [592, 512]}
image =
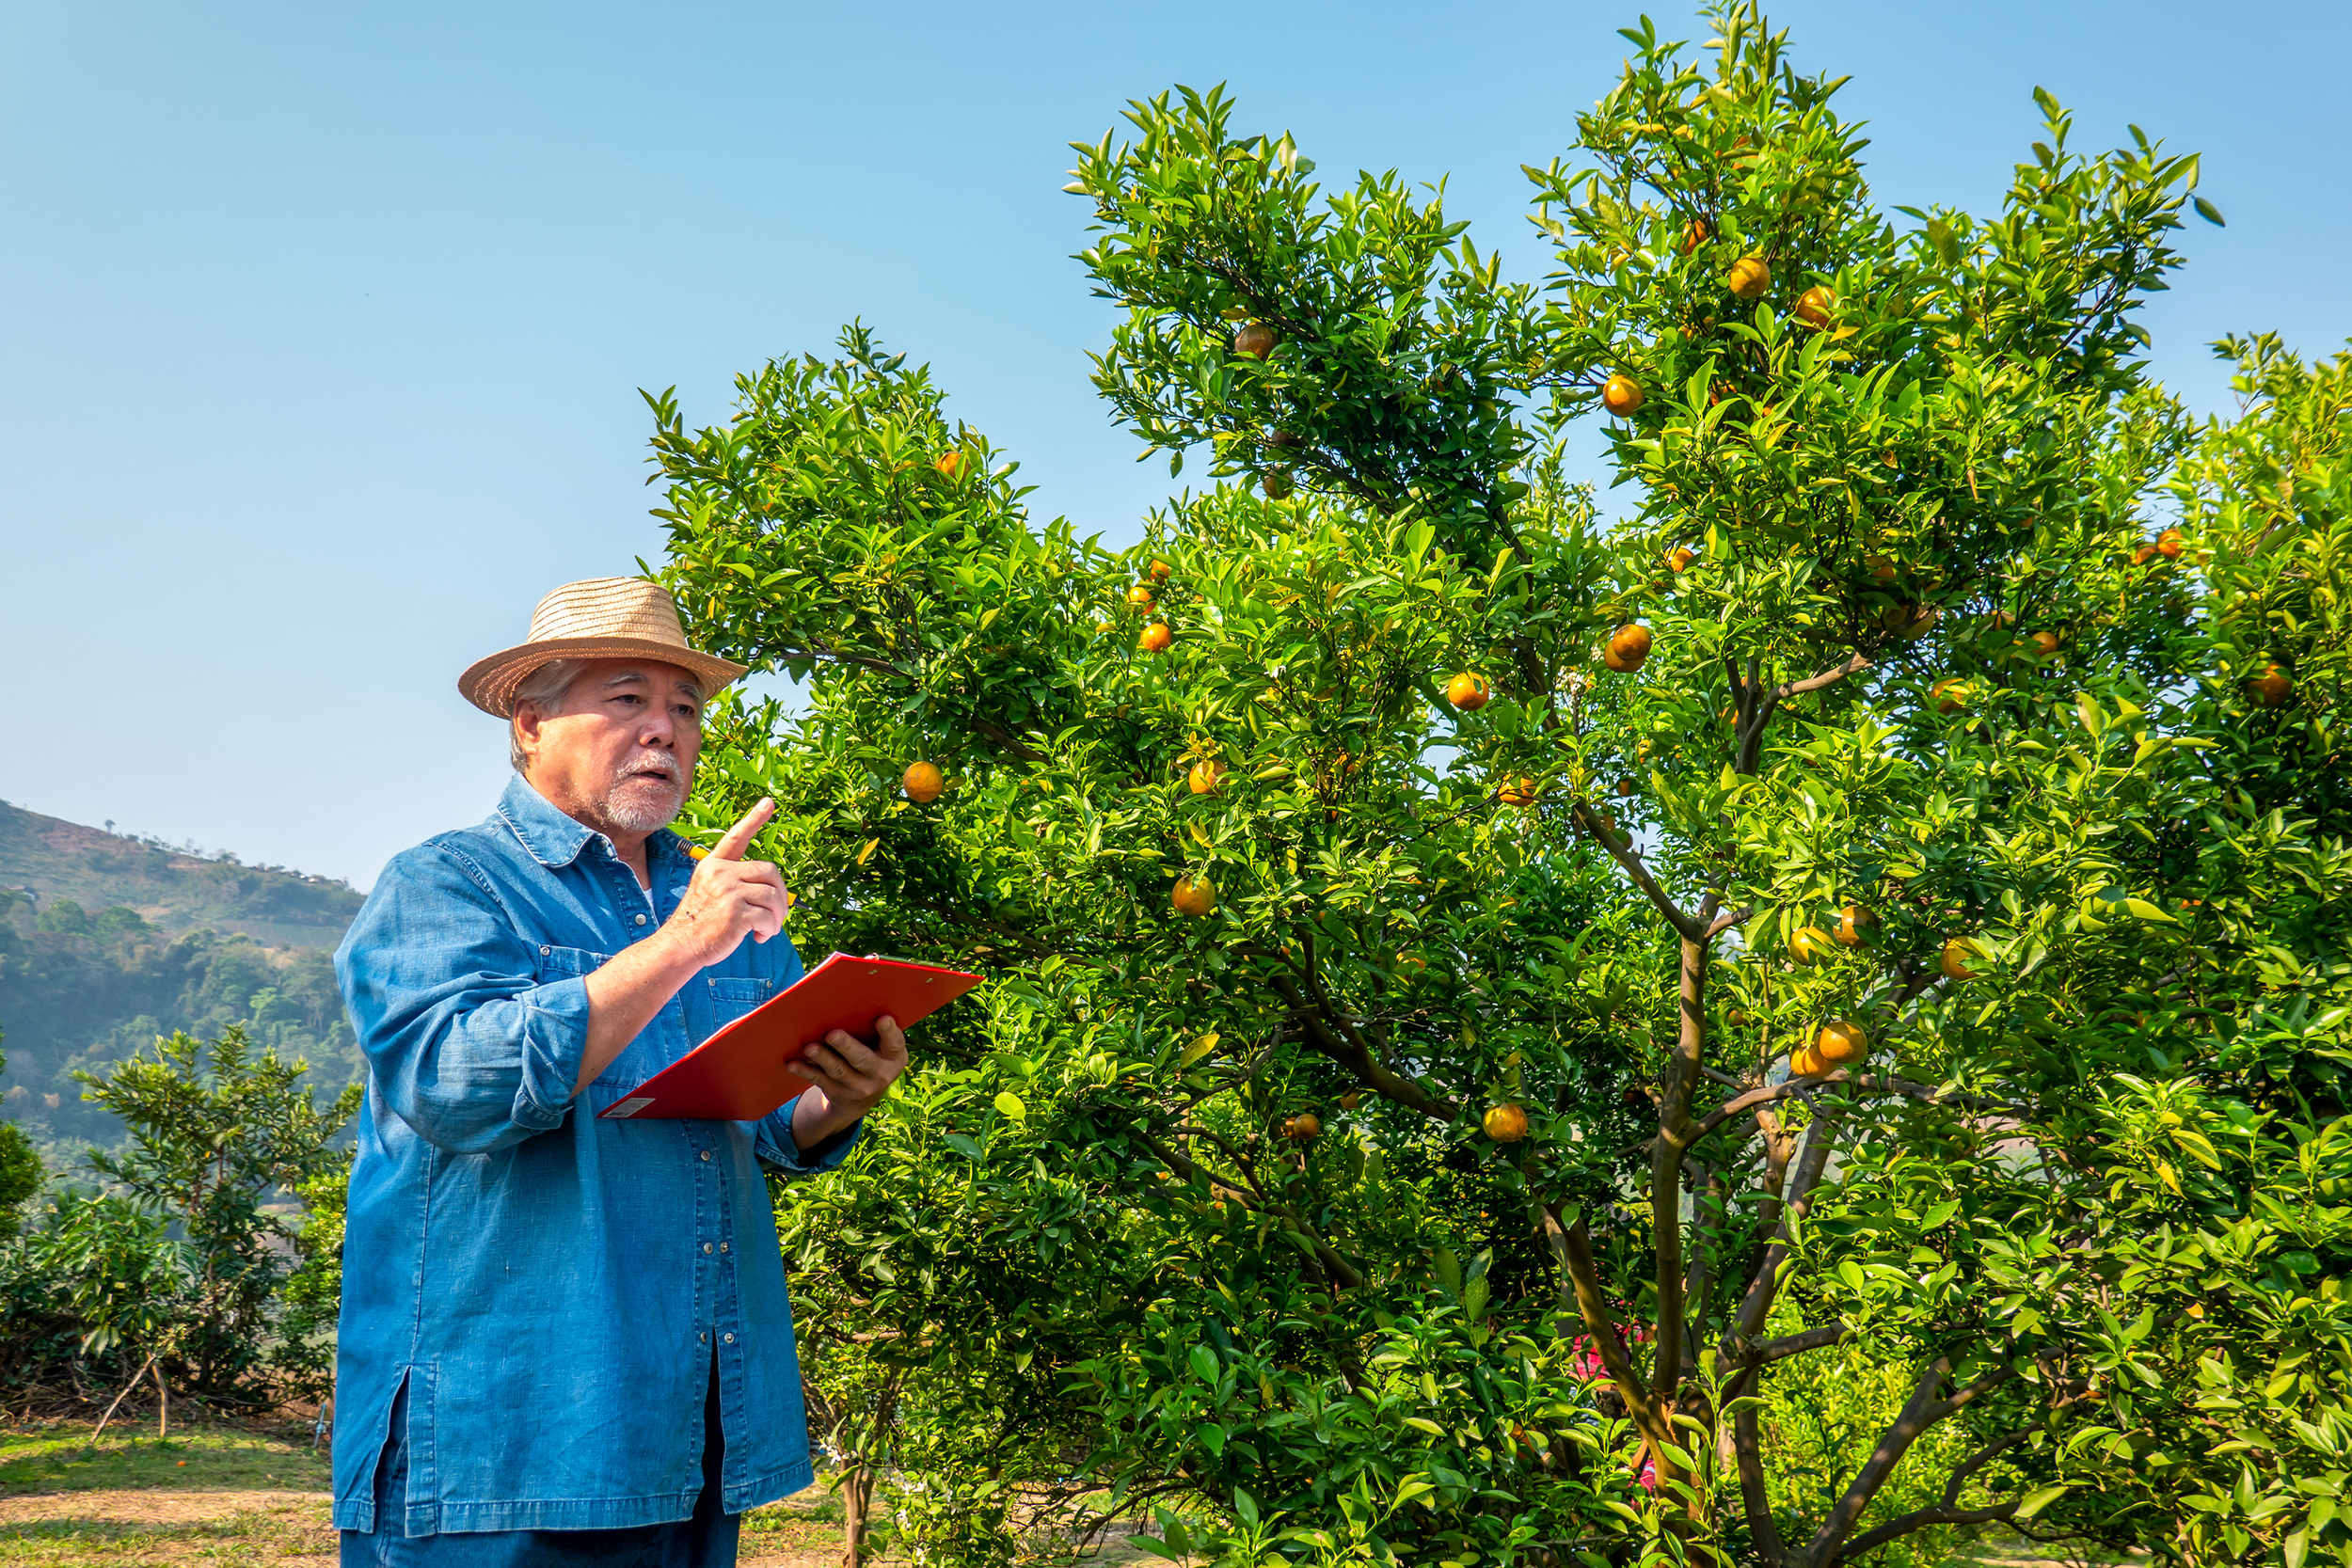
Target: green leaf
{"type": "Point", "coordinates": [2211, 214]}
{"type": "Point", "coordinates": [1008, 1105]}
{"type": "Point", "coordinates": [2039, 1498]}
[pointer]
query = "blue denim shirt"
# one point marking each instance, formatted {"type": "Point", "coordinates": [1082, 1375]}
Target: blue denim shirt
{"type": "Point", "coordinates": [551, 1287]}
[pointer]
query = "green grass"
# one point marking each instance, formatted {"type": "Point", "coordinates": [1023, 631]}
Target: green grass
{"type": "Point", "coordinates": [59, 1457]}
{"type": "Point", "coordinates": [244, 1536]}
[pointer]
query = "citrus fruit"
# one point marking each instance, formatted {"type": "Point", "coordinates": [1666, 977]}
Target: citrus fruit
{"type": "Point", "coordinates": [1193, 895]}
{"type": "Point", "coordinates": [1504, 1124]}
{"type": "Point", "coordinates": [923, 782]}
{"type": "Point", "coordinates": [1626, 648]}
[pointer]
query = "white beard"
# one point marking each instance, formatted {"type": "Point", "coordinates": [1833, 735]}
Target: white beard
{"type": "Point", "coordinates": [639, 804]}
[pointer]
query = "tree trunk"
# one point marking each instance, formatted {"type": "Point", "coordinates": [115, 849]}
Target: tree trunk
{"type": "Point", "coordinates": [857, 1493]}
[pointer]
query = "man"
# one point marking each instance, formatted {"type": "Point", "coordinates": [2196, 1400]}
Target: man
{"type": "Point", "coordinates": [566, 1339]}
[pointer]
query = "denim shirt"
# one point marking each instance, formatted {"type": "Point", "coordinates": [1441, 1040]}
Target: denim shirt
{"type": "Point", "coordinates": [552, 1288]}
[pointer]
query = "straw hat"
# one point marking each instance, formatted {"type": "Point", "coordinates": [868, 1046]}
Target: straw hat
{"type": "Point", "coordinates": [601, 618]}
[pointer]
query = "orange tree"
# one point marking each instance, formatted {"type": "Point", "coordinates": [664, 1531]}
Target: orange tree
{"type": "Point", "coordinates": [1495, 1011]}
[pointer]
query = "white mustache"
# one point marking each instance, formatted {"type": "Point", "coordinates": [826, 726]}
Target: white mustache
{"type": "Point", "coordinates": [668, 769]}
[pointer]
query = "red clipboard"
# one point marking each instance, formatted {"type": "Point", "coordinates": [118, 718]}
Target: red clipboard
{"type": "Point", "coordinates": [737, 1073]}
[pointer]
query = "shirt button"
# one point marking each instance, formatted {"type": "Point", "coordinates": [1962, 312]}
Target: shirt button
{"type": "Point", "coordinates": [706, 1154]}
{"type": "Point", "coordinates": [544, 950]}
{"type": "Point", "coordinates": [730, 1338]}
{"type": "Point", "coordinates": [722, 1246]}
{"type": "Point", "coordinates": [702, 1339]}
{"type": "Point", "coordinates": [641, 920]}
{"type": "Point", "coordinates": [706, 1246]}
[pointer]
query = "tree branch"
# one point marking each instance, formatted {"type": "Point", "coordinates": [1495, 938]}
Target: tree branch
{"type": "Point", "coordinates": [1819, 1338]}
{"type": "Point", "coordinates": [1572, 1245]}
{"type": "Point", "coordinates": [1782, 1090]}
{"type": "Point", "coordinates": [1747, 1451]}
{"type": "Point", "coordinates": [1357, 1059]}
{"type": "Point", "coordinates": [1622, 852]}
{"type": "Point", "coordinates": [1921, 1412]}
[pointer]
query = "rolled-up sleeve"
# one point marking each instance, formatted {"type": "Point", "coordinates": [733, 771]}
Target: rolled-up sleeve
{"type": "Point", "coordinates": [465, 1041]}
{"type": "Point", "coordinates": [777, 1150]}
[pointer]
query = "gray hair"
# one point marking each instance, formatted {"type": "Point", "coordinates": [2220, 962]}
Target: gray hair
{"type": "Point", "coordinates": [545, 690]}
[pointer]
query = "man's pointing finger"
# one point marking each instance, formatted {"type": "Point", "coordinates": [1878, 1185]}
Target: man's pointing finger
{"type": "Point", "coordinates": [739, 838]}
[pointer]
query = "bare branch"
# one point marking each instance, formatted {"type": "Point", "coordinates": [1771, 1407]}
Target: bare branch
{"type": "Point", "coordinates": [1764, 1284]}
{"type": "Point", "coordinates": [1725, 921]}
{"type": "Point", "coordinates": [1747, 1451]}
{"type": "Point", "coordinates": [1830, 676]}
{"type": "Point", "coordinates": [1786, 1345]}
{"type": "Point", "coordinates": [1572, 1245]}
{"type": "Point", "coordinates": [1622, 852]}
{"type": "Point", "coordinates": [1902, 1086]}
{"type": "Point", "coordinates": [1921, 1412]}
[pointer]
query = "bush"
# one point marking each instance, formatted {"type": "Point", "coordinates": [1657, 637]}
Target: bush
{"type": "Point", "coordinates": [179, 1263]}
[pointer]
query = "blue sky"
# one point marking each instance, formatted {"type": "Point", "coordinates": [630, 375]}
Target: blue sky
{"type": "Point", "coordinates": [321, 326]}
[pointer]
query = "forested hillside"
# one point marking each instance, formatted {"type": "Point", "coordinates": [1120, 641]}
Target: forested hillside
{"type": "Point", "coordinates": [108, 942]}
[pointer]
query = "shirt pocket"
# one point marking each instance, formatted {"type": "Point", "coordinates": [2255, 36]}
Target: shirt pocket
{"type": "Point", "coordinates": [566, 963]}
{"type": "Point", "coordinates": [732, 996]}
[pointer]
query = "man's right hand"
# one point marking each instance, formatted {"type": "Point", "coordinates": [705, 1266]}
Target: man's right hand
{"type": "Point", "coordinates": [729, 896]}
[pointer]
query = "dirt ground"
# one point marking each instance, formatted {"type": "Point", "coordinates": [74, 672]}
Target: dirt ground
{"type": "Point", "coordinates": [286, 1528]}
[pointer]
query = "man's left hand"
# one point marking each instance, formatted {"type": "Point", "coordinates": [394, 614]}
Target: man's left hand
{"type": "Point", "coordinates": [847, 1077]}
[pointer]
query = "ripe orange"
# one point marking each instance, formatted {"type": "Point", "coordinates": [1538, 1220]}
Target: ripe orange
{"type": "Point", "coordinates": [2272, 688]}
{"type": "Point", "coordinates": [1276, 484]}
{"type": "Point", "coordinates": [1808, 945]}
{"type": "Point", "coordinates": [1882, 569]}
{"type": "Point", "coordinates": [1141, 596]}
{"type": "Point", "coordinates": [1738, 1019]}
{"type": "Point", "coordinates": [1256, 340]}
{"type": "Point", "coordinates": [1805, 1062]}
{"type": "Point", "coordinates": [1842, 1043]}
{"type": "Point", "coordinates": [1748, 278]}
{"type": "Point", "coordinates": [2143, 555]}
{"type": "Point", "coordinates": [2168, 544]}
{"type": "Point", "coordinates": [1814, 307]}
{"type": "Point", "coordinates": [1160, 570]}
{"type": "Point", "coordinates": [1949, 695]}
{"type": "Point", "coordinates": [1622, 395]}
{"type": "Point", "coordinates": [923, 782]}
{"type": "Point", "coordinates": [1696, 233]}
{"type": "Point", "coordinates": [1519, 791]}
{"type": "Point", "coordinates": [948, 462]}
{"type": "Point", "coordinates": [1303, 1127]}
{"type": "Point", "coordinates": [1958, 954]}
{"type": "Point", "coordinates": [1352, 1098]}
{"type": "Point", "coordinates": [1504, 1124]}
{"type": "Point", "coordinates": [1155, 638]}
{"type": "Point", "coordinates": [2045, 643]}
{"type": "Point", "coordinates": [1628, 647]}
{"type": "Point", "coordinates": [1626, 788]}
{"type": "Point", "coordinates": [1206, 775]}
{"type": "Point", "coordinates": [1854, 924]}
{"type": "Point", "coordinates": [1679, 558]}
{"type": "Point", "coordinates": [1194, 895]}
{"type": "Point", "coordinates": [1468, 691]}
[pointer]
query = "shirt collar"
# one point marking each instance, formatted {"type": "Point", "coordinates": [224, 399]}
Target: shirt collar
{"type": "Point", "coordinates": [555, 839]}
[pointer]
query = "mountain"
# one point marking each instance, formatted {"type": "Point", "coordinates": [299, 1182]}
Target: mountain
{"type": "Point", "coordinates": [171, 889]}
{"type": "Point", "coordinates": [108, 942]}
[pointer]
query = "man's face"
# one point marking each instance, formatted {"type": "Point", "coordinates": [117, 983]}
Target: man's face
{"type": "Point", "coordinates": [619, 755]}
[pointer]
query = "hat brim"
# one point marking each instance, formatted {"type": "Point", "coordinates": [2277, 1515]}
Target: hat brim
{"type": "Point", "coordinates": [489, 684]}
